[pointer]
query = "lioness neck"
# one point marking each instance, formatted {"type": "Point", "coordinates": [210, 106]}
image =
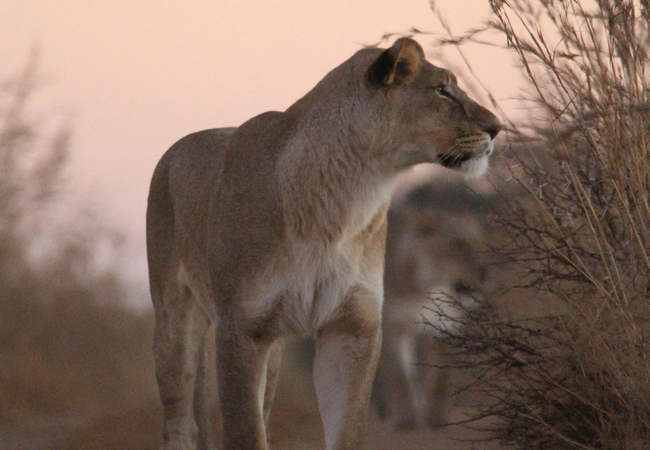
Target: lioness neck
{"type": "Point", "coordinates": [333, 183]}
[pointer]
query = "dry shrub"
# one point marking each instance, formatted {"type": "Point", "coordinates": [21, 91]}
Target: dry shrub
{"type": "Point", "coordinates": [575, 213]}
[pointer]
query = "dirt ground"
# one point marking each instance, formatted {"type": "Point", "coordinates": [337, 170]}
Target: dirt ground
{"type": "Point", "coordinates": [295, 425]}
{"type": "Point", "coordinates": [292, 429]}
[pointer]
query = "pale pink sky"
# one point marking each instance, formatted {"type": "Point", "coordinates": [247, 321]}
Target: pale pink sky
{"type": "Point", "coordinates": [134, 76]}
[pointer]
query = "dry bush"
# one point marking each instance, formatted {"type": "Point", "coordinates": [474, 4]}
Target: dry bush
{"type": "Point", "coordinates": [575, 215]}
{"type": "Point", "coordinates": [67, 344]}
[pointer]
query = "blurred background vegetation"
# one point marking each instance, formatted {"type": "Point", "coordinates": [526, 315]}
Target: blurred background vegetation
{"type": "Point", "coordinates": [68, 342]}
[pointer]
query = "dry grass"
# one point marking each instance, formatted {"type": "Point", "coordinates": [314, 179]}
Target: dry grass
{"type": "Point", "coordinates": [575, 213]}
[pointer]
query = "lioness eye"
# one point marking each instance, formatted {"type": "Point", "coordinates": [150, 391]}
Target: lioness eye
{"type": "Point", "coordinates": [442, 91]}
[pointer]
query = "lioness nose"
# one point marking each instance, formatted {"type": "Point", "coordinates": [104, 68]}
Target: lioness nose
{"type": "Point", "coordinates": [493, 130]}
{"type": "Point", "coordinates": [488, 121]}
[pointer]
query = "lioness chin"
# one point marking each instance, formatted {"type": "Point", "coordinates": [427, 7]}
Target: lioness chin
{"type": "Point", "coordinates": [279, 227]}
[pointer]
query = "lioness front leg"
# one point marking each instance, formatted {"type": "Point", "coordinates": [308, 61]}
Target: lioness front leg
{"type": "Point", "coordinates": [242, 359]}
{"type": "Point", "coordinates": [438, 390]}
{"type": "Point", "coordinates": [347, 351]}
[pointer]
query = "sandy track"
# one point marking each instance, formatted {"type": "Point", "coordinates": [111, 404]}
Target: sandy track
{"type": "Point", "coordinates": [293, 428]}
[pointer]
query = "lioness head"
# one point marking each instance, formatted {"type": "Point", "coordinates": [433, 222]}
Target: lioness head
{"type": "Point", "coordinates": [435, 120]}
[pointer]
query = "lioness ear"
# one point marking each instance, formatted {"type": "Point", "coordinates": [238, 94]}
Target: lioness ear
{"type": "Point", "coordinates": [397, 65]}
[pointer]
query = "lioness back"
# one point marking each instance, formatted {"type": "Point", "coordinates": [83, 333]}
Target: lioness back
{"type": "Point", "coordinates": [192, 173]}
{"type": "Point", "coordinates": [179, 190]}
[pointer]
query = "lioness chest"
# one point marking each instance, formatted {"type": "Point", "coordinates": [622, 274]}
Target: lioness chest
{"type": "Point", "coordinates": [308, 291]}
{"type": "Point", "coordinates": [308, 281]}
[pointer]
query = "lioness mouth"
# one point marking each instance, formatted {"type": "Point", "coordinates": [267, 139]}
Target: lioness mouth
{"type": "Point", "coordinates": [453, 160]}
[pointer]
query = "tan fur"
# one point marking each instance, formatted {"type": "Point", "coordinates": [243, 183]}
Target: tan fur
{"type": "Point", "coordinates": [435, 274]}
{"type": "Point", "coordinates": [279, 227]}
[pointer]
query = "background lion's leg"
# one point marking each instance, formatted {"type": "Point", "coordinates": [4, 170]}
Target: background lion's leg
{"type": "Point", "coordinates": [178, 337]}
{"type": "Point", "coordinates": [241, 371]}
{"type": "Point", "coordinates": [346, 358]}
{"type": "Point", "coordinates": [396, 366]}
{"type": "Point", "coordinates": [379, 397]}
{"type": "Point", "coordinates": [272, 377]}
{"type": "Point", "coordinates": [438, 386]}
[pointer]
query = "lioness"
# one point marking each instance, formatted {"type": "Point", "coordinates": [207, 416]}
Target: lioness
{"type": "Point", "coordinates": [435, 275]}
{"type": "Point", "coordinates": [279, 227]}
